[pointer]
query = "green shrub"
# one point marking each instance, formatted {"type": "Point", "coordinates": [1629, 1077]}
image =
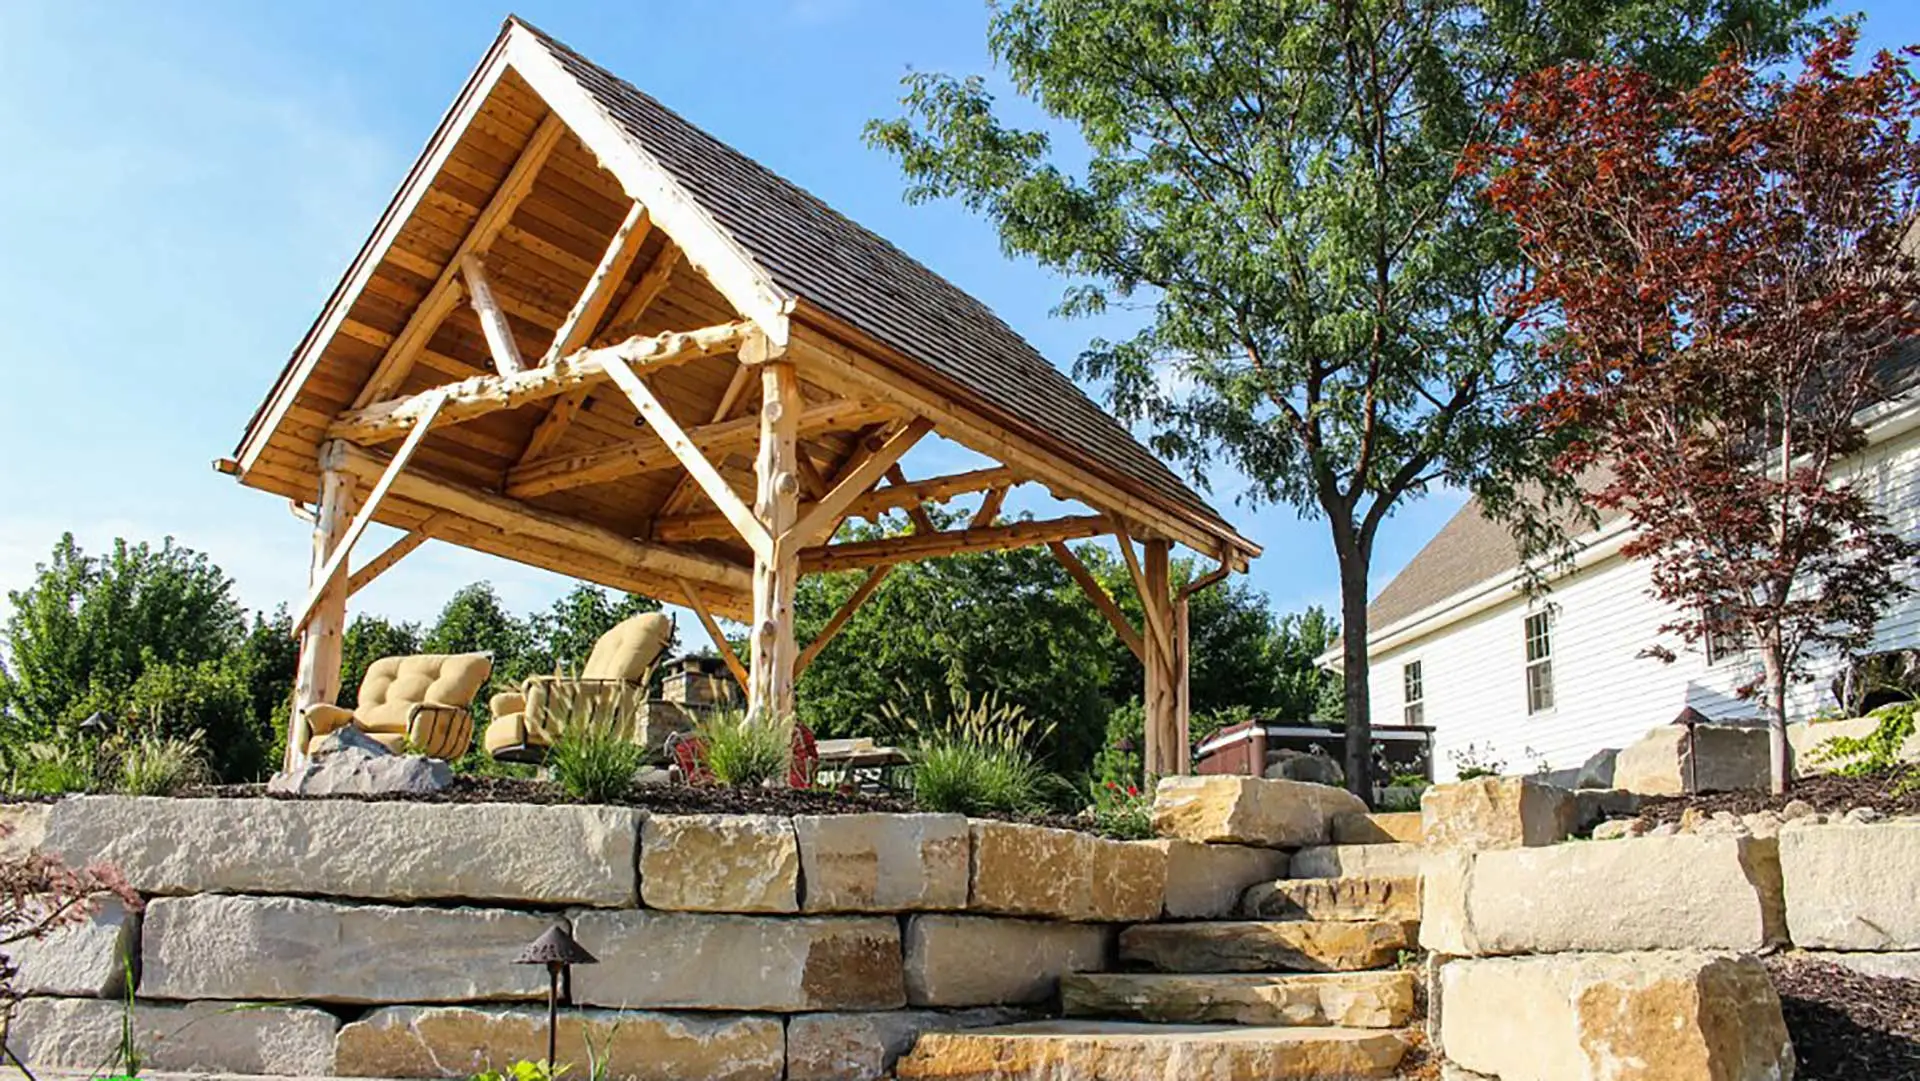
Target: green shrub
{"type": "Point", "coordinates": [976, 756]}
{"type": "Point", "coordinates": [1122, 811]}
{"type": "Point", "coordinates": [746, 750]}
{"type": "Point", "coordinates": [595, 763]}
{"type": "Point", "coordinates": [53, 767]}
{"type": "Point", "coordinates": [155, 765]}
{"type": "Point", "coordinates": [1879, 750]}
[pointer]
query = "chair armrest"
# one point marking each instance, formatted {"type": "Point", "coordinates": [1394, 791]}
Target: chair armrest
{"type": "Point", "coordinates": [439, 730]}
{"type": "Point", "coordinates": [322, 718]}
{"type": "Point", "coordinates": [507, 702]}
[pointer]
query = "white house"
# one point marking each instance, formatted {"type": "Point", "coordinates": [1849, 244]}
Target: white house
{"type": "Point", "coordinates": [1457, 645]}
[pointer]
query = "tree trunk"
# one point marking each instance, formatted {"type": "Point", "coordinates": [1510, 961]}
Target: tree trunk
{"type": "Point", "coordinates": [1358, 757]}
{"type": "Point", "coordinates": [1779, 751]}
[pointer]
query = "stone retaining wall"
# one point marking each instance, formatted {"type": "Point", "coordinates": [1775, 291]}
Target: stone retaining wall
{"type": "Point", "coordinates": [730, 946]}
{"type": "Point", "coordinates": [1636, 956]}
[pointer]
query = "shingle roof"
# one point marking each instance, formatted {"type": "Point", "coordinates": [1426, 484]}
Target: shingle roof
{"type": "Point", "coordinates": [847, 270]}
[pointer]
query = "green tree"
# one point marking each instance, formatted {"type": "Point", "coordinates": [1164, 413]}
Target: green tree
{"type": "Point", "coordinates": [564, 635]}
{"type": "Point", "coordinates": [1279, 183]}
{"type": "Point", "coordinates": [369, 638]}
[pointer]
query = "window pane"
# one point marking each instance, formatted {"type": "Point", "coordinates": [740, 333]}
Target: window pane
{"type": "Point", "coordinates": [1539, 686]}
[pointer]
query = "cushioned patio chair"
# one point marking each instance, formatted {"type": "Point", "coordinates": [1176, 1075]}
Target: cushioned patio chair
{"type": "Point", "coordinates": [526, 722]}
{"type": "Point", "coordinates": [421, 704]}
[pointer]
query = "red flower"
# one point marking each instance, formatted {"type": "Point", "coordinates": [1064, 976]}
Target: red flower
{"type": "Point", "coordinates": [1132, 791]}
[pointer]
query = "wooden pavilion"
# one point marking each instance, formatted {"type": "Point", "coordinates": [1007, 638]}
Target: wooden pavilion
{"type": "Point", "coordinates": [587, 336]}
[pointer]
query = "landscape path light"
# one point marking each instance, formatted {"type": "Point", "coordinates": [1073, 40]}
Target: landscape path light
{"type": "Point", "coordinates": [557, 950]}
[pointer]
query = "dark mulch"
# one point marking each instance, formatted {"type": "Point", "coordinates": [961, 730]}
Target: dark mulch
{"type": "Point", "coordinates": [1845, 1026]}
{"type": "Point", "coordinates": [1827, 793]}
{"type": "Point", "coordinates": [662, 798]}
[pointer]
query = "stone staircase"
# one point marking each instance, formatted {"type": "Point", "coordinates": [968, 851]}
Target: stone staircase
{"type": "Point", "coordinates": [1303, 984]}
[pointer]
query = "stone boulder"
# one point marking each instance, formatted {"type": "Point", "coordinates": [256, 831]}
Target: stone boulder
{"type": "Point", "coordinates": [1266, 946]}
{"type": "Point", "coordinates": [1718, 758]}
{"type": "Point", "coordinates": [1339, 899]}
{"type": "Point", "coordinates": [1684, 1016]}
{"type": "Point", "coordinates": [1206, 882]}
{"type": "Point", "coordinates": [459, 1041]}
{"type": "Point", "coordinates": [865, 1046]}
{"type": "Point", "coordinates": [1249, 810]}
{"type": "Point", "coordinates": [1075, 1049]}
{"type": "Point", "coordinates": [720, 863]}
{"type": "Point", "coordinates": [288, 948]}
{"type": "Point", "coordinates": [1853, 887]}
{"type": "Point", "coordinates": [1021, 870]}
{"type": "Point", "coordinates": [1808, 738]}
{"type": "Point", "coordinates": [1349, 861]}
{"type": "Point", "coordinates": [652, 960]}
{"type": "Point", "coordinates": [89, 959]}
{"type": "Point", "coordinates": [1379, 828]}
{"type": "Point", "coordinates": [358, 765]}
{"type": "Point", "coordinates": [1285, 765]}
{"type": "Point", "coordinates": [985, 961]}
{"type": "Point", "coordinates": [1638, 893]}
{"type": "Point", "coordinates": [23, 826]}
{"type": "Point", "coordinates": [200, 1038]}
{"type": "Point", "coordinates": [384, 851]}
{"type": "Point", "coordinates": [1496, 812]}
{"type": "Point", "coordinates": [884, 862]}
{"type": "Point", "coordinates": [1597, 770]}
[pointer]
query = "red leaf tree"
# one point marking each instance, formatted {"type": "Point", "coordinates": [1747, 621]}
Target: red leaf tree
{"type": "Point", "coordinates": [1722, 274]}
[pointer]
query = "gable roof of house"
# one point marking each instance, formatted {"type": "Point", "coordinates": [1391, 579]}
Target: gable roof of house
{"type": "Point", "coordinates": [827, 263]}
{"type": "Point", "coordinates": [1473, 548]}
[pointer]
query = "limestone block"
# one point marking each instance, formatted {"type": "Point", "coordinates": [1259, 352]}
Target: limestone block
{"type": "Point", "coordinates": [865, 1046]}
{"type": "Point", "coordinates": [22, 827]}
{"type": "Point", "coordinates": [1249, 810]}
{"type": "Point", "coordinates": [549, 855]}
{"type": "Point", "coordinates": [1061, 1050]}
{"type": "Point", "coordinates": [1343, 999]}
{"type": "Point", "coordinates": [1719, 758]}
{"type": "Point", "coordinates": [1380, 828]}
{"type": "Point", "coordinates": [287, 948]}
{"type": "Point", "coordinates": [1853, 887]}
{"type": "Point", "coordinates": [883, 862]}
{"type": "Point", "coordinates": [88, 959]}
{"type": "Point", "coordinates": [458, 1041]}
{"type": "Point", "coordinates": [1206, 882]}
{"type": "Point", "coordinates": [1806, 738]}
{"type": "Point", "coordinates": [651, 960]}
{"type": "Point", "coordinates": [1348, 861]}
{"type": "Point", "coordinates": [1496, 812]}
{"type": "Point", "coordinates": [1021, 870]}
{"type": "Point", "coordinates": [1266, 945]}
{"type": "Point", "coordinates": [720, 863]}
{"type": "Point", "coordinates": [1683, 1016]}
{"type": "Point", "coordinates": [195, 1037]}
{"type": "Point", "coordinates": [1885, 966]}
{"type": "Point", "coordinates": [1637, 893]}
{"type": "Point", "coordinates": [1369, 898]}
{"type": "Point", "coordinates": [984, 961]}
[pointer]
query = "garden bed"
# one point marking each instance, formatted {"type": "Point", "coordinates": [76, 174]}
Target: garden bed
{"type": "Point", "coordinates": [1825, 793]}
{"type": "Point", "coordinates": [1846, 1026]}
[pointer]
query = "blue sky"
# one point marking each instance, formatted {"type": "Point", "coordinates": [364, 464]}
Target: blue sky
{"type": "Point", "coordinates": [184, 183]}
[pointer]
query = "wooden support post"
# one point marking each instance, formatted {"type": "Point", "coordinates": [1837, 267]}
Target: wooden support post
{"type": "Point", "coordinates": [989, 507]}
{"type": "Point", "coordinates": [776, 566]}
{"type": "Point", "coordinates": [1162, 724]}
{"type": "Point", "coordinates": [1183, 666]}
{"type": "Point", "coordinates": [691, 594]}
{"type": "Point", "coordinates": [317, 675]}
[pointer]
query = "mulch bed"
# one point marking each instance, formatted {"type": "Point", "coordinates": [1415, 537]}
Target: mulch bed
{"type": "Point", "coordinates": [1845, 1026]}
{"type": "Point", "coordinates": [1826, 793]}
{"type": "Point", "coordinates": [661, 798]}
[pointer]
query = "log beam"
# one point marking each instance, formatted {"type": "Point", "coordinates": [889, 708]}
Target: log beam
{"type": "Point", "coordinates": [317, 673]}
{"type": "Point", "coordinates": [395, 364]}
{"type": "Point", "coordinates": [1097, 593]}
{"type": "Point", "coordinates": [818, 523]}
{"type": "Point", "coordinates": [649, 452]}
{"type": "Point", "coordinates": [698, 605]}
{"type": "Point", "coordinates": [683, 491]}
{"type": "Point", "coordinates": [498, 512]}
{"type": "Point", "coordinates": [846, 611]}
{"type": "Point", "coordinates": [878, 553]}
{"type": "Point", "coordinates": [916, 510]}
{"type": "Point", "coordinates": [483, 394]}
{"type": "Point", "coordinates": [493, 322]}
{"type": "Point", "coordinates": [876, 502]}
{"type": "Point", "coordinates": [1162, 718]}
{"type": "Point", "coordinates": [752, 530]}
{"type": "Point", "coordinates": [390, 556]}
{"type": "Point", "coordinates": [989, 507]}
{"type": "Point", "coordinates": [776, 566]}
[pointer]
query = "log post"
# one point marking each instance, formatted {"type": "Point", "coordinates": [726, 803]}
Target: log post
{"type": "Point", "coordinates": [317, 677]}
{"type": "Point", "coordinates": [1163, 758]}
{"type": "Point", "coordinates": [776, 568]}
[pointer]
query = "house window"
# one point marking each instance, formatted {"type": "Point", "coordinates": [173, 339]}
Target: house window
{"type": "Point", "coordinates": [1539, 632]}
{"type": "Point", "coordinates": [1414, 694]}
{"type": "Point", "coordinates": [1724, 638]}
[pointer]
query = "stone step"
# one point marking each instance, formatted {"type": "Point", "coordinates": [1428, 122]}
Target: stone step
{"type": "Point", "coordinates": [1356, 898]}
{"type": "Point", "coordinates": [1126, 1051]}
{"type": "Point", "coordinates": [1339, 999]}
{"type": "Point", "coordinates": [1381, 828]}
{"type": "Point", "coordinates": [1267, 945]}
{"type": "Point", "coordinates": [1346, 861]}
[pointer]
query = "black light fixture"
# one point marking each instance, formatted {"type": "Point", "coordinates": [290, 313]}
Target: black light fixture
{"type": "Point", "coordinates": [555, 949]}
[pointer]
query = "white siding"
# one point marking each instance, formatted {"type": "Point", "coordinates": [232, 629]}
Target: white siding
{"type": "Point", "coordinates": [1607, 692]}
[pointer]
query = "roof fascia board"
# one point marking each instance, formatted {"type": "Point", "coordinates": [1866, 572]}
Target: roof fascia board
{"type": "Point", "coordinates": [400, 208]}
{"type": "Point", "coordinates": [1884, 422]}
{"type": "Point", "coordinates": [709, 248]}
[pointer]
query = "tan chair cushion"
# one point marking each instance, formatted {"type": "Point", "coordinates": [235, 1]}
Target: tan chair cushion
{"type": "Point", "coordinates": [394, 685]}
{"type": "Point", "coordinates": [628, 650]}
{"type": "Point", "coordinates": [505, 732]}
